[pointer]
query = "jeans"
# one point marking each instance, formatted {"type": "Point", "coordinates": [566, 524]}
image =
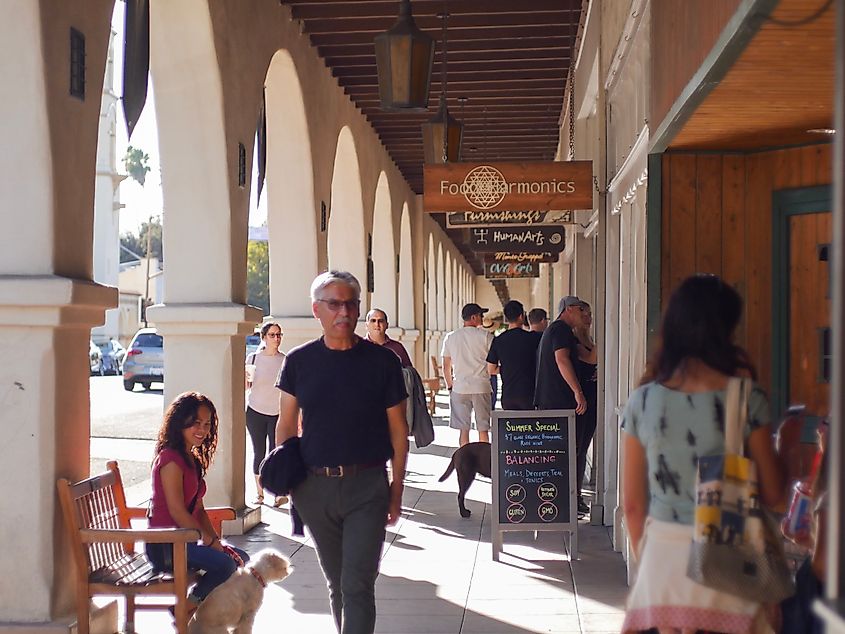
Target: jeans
{"type": "Point", "coordinates": [585, 429]}
{"type": "Point", "coordinates": [346, 517]}
{"type": "Point", "coordinates": [217, 566]}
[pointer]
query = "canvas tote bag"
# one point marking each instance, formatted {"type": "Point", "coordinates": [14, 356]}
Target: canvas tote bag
{"type": "Point", "coordinates": [734, 548]}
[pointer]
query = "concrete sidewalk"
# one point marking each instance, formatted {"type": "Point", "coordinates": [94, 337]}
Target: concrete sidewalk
{"type": "Point", "coordinates": [437, 574]}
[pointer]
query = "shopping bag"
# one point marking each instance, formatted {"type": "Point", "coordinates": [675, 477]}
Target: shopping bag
{"type": "Point", "coordinates": [734, 548]}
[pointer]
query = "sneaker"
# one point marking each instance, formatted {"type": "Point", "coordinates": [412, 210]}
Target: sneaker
{"type": "Point", "coordinates": [583, 507]}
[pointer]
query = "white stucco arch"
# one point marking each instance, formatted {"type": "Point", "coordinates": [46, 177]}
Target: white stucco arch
{"type": "Point", "coordinates": [431, 286]}
{"type": "Point", "coordinates": [291, 209]}
{"type": "Point", "coordinates": [346, 236]}
{"type": "Point", "coordinates": [406, 318]}
{"type": "Point", "coordinates": [441, 289]}
{"type": "Point", "coordinates": [384, 252]}
{"type": "Point", "coordinates": [449, 294]}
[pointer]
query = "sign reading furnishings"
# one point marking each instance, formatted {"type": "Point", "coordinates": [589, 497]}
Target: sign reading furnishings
{"type": "Point", "coordinates": [465, 219]}
{"type": "Point", "coordinates": [508, 186]}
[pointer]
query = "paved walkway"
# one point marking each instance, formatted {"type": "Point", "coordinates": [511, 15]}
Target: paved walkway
{"type": "Point", "coordinates": [437, 574]}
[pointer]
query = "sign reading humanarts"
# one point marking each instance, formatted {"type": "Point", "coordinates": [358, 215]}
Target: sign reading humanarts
{"type": "Point", "coordinates": [508, 186]}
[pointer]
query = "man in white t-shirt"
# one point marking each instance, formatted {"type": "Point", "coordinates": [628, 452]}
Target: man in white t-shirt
{"type": "Point", "coordinates": [465, 368]}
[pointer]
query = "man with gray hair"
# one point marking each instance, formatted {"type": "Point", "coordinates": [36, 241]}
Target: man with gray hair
{"type": "Point", "coordinates": [351, 396]}
{"type": "Point", "coordinates": [557, 385]}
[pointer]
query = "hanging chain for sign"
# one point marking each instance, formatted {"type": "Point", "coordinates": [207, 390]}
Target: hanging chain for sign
{"type": "Point", "coordinates": [571, 81]}
{"type": "Point", "coordinates": [445, 15]}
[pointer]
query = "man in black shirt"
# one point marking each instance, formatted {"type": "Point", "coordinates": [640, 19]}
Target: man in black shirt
{"type": "Point", "coordinates": [351, 395]}
{"type": "Point", "coordinates": [557, 385]}
{"type": "Point", "coordinates": [513, 354]}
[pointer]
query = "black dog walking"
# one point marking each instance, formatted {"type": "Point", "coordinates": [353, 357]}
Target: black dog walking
{"type": "Point", "coordinates": [470, 460]}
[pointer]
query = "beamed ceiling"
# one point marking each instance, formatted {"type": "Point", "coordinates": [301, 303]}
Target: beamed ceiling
{"type": "Point", "coordinates": [509, 58]}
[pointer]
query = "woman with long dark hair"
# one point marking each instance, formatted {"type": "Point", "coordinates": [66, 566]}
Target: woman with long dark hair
{"type": "Point", "coordinates": [187, 441]}
{"type": "Point", "coordinates": [676, 415]}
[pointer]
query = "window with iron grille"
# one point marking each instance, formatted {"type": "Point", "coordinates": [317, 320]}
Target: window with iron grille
{"type": "Point", "coordinates": [77, 64]}
{"type": "Point", "coordinates": [825, 355]}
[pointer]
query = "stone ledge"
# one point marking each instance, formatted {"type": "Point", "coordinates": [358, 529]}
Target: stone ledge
{"type": "Point", "coordinates": [197, 319]}
{"type": "Point", "coordinates": [53, 300]}
{"type": "Point", "coordinates": [245, 520]}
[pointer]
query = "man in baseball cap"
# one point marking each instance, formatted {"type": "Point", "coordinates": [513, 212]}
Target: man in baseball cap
{"type": "Point", "coordinates": [465, 370]}
{"type": "Point", "coordinates": [472, 309]}
{"type": "Point", "coordinates": [557, 385]}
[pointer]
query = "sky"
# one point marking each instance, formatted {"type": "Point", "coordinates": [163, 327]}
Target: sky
{"type": "Point", "coordinates": [143, 202]}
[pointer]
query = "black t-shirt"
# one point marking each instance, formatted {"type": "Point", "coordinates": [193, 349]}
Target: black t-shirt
{"type": "Point", "coordinates": [552, 391]}
{"type": "Point", "coordinates": [516, 351]}
{"type": "Point", "coordinates": [344, 395]}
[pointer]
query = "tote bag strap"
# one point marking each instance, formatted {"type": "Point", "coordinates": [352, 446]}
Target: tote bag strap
{"type": "Point", "coordinates": [736, 414]}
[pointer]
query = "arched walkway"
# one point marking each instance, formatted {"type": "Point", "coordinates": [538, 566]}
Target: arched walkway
{"type": "Point", "coordinates": [346, 239]}
{"type": "Point", "coordinates": [384, 253]}
{"type": "Point", "coordinates": [441, 289]}
{"type": "Point", "coordinates": [291, 210]}
{"type": "Point", "coordinates": [431, 286]}
{"type": "Point", "coordinates": [448, 300]}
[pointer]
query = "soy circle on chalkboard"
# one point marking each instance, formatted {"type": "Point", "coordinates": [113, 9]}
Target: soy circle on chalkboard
{"type": "Point", "coordinates": [547, 512]}
{"type": "Point", "coordinates": [547, 491]}
{"type": "Point", "coordinates": [516, 513]}
{"type": "Point", "coordinates": [515, 493]}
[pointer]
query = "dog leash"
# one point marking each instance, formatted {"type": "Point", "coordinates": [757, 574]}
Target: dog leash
{"type": "Point", "coordinates": [258, 576]}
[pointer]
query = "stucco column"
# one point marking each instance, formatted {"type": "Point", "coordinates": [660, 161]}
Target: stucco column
{"type": "Point", "coordinates": [204, 352]}
{"type": "Point", "coordinates": [45, 324]}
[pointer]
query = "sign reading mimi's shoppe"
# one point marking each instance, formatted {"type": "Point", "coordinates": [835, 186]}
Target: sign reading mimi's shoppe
{"type": "Point", "coordinates": [505, 218]}
{"type": "Point", "coordinates": [529, 239]}
{"type": "Point", "coordinates": [537, 258]}
{"type": "Point", "coordinates": [508, 186]}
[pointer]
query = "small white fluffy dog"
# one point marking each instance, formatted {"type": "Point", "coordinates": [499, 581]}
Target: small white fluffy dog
{"type": "Point", "coordinates": [233, 604]}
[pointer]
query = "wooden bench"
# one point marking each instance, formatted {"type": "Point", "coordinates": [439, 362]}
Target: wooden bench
{"type": "Point", "coordinates": [98, 522]}
{"type": "Point", "coordinates": [434, 384]}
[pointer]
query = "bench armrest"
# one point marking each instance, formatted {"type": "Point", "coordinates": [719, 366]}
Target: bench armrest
{"type": "Point", "coordinates": [220, 513]}
{"type": "Point", "coordinates": [149, 536]}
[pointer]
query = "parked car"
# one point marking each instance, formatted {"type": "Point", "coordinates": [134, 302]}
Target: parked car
{"type": "Point", "coordinates": [144, 361]}
{"type": "Point", "coordinates": [252, 343]}
{"type": "Point", "coordinates": [95, 359]}
{"type": "Point", "coordinates": [113, 355]}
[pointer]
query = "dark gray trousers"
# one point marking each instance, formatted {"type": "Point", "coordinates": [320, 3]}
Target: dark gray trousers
{"type": "Point", "coordinates": [346, 518]}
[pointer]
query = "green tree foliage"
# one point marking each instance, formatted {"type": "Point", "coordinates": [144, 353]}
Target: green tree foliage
{"type": "Point", "coordinates": [138, 244]}
{"type": "Point", "coordinates": [135, 161]}
{"type": "Point", "coordinates": [258, 275]}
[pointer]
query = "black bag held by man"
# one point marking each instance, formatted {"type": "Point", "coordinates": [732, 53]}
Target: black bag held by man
{"type": "Point", "coordinates": [283, 468]}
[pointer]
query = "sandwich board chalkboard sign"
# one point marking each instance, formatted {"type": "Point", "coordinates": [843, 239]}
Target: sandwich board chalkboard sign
{"type": "Point", "coordinates": [533, 472]}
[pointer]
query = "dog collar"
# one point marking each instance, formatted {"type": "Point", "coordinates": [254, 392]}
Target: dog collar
{"type": "Point", "coordinates": [258, 577]}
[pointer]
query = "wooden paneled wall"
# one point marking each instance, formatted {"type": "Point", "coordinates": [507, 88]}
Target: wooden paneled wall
{"type": "Point", "coordinates": [717, 218]}
{"type": "Point", "coordinates": [682, 35]}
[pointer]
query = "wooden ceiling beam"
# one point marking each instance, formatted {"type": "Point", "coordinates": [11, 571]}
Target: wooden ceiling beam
{"type": "Point", "coordinates": [456, 36]}
{"type": "Point", "coordinates": [311, 10]}
{"type": "Point", "coordinates": [542, 65]}
{"type": "Point", "coordinates": [528, 78]}
{"type": "Point", "coordinates": [368, 59]}
{"type": "Point", "coordinates": [432, 25]}
{"type": "Point", "coordinates": [544, 45]}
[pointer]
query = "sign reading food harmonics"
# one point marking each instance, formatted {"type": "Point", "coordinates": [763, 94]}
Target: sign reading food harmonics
{"type": "Point", "coordinates": [508, 186]}
{"type": "Point", "coordinates": [528, 239]}
{"type": "Point", "coordinates": [466, 219]}
{"type": "Point", "coordinates": [511, 270]}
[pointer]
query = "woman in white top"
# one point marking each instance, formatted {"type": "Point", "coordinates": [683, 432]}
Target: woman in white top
{"type": "Point", "coordinates": [262, 403]}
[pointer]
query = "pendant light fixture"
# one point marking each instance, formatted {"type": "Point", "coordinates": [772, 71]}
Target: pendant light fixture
{"type": "Point", "coordinates": [404, 57]}
{"type": "Point", "coordinates": [442, 133]}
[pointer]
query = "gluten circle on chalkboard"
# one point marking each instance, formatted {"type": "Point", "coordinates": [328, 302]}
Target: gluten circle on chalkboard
{"type": "Point", "coordinates": [547, 512]}
{"type": "Point", "coordinates": [515, 493]}
{"type": "Point", "coordinates": [516, 513]}
{"type": "Point", "coordinates": [547, 491]}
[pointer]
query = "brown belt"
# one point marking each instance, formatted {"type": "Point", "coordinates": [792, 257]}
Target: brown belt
{"type": "Point", "coordinates": [345, 470]}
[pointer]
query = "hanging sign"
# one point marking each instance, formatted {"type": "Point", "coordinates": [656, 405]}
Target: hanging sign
{"type": "Point", "coordinates": [465, 219]}
{"type": "Point", "coordinates": [533, 472]}
{"type": "Point", "coordinates": [537, 258]}
{"type": "Point", "coordinates": [508, 186]}
{"type": "Point", "coordinates": [511, 270]}
{"type": "Point", "coordinates": [530, 239]}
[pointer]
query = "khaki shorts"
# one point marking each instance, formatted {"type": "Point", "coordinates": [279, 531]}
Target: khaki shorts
{"type": "Point", "coordinates": [462, 406]}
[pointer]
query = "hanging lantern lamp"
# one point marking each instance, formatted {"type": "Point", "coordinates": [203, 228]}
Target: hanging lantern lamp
{"type": "Point", "coordinates": [442, 134]}
{"type": "Point", "coordinates": [404, 57]}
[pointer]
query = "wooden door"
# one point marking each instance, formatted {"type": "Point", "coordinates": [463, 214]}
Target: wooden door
{"type": "Point", "coordinates": [809, 311]}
